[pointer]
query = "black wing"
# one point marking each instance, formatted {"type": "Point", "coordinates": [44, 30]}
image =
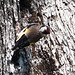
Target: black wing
{"type": "Point", "coordinates": [32, 25]}
{"type": "Point", "coordinates": [21, 43]}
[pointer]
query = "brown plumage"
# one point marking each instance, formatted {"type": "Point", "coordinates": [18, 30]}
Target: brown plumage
{"type": "Point", "coordinates": [31, 35]}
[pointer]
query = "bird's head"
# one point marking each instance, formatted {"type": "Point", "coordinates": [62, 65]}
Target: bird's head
{"type": "Point", "coordinates": [45, 30]}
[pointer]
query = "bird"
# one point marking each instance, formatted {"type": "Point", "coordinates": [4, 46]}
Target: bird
{"type": "Point", "coordinates": [30, 35]}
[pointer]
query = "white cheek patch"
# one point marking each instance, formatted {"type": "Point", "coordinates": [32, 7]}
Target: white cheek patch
{"type": "Point", "coordinates": [43, 28]}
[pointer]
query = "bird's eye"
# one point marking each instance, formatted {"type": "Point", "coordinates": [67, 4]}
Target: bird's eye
{"type": "Point", "coordinates": [46, 32]}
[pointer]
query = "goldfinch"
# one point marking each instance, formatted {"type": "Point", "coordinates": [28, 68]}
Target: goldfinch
{"type": "Point", "coordinates": [31, 35]}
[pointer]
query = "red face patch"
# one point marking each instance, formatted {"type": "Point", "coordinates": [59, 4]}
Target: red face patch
{"type": "Point", "coordinates": [48, 31]}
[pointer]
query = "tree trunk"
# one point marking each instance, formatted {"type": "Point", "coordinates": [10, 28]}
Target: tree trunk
{"type": "Point", "coordinates": [52, 55]}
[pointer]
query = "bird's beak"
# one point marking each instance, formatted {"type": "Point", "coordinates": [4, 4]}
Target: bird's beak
{"type": "Point", "coordinates": [49, 32]}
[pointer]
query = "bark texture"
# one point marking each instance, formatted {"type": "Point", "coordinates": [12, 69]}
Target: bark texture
{"type": "Point", "coordinates": [52, 55]}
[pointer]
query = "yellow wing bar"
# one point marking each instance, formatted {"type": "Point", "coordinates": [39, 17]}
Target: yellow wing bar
{"type": "Point", "coordinates": [30, 44]}
{"type": "Point", "coordinates": [23, 33]}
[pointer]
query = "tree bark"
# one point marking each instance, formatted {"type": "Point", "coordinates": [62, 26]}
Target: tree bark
{"type": "Point", "coordinates": [52, 55]}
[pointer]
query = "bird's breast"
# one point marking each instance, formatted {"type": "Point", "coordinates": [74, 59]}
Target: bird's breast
{"type": "Point", "coordinates": [33, 36]}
